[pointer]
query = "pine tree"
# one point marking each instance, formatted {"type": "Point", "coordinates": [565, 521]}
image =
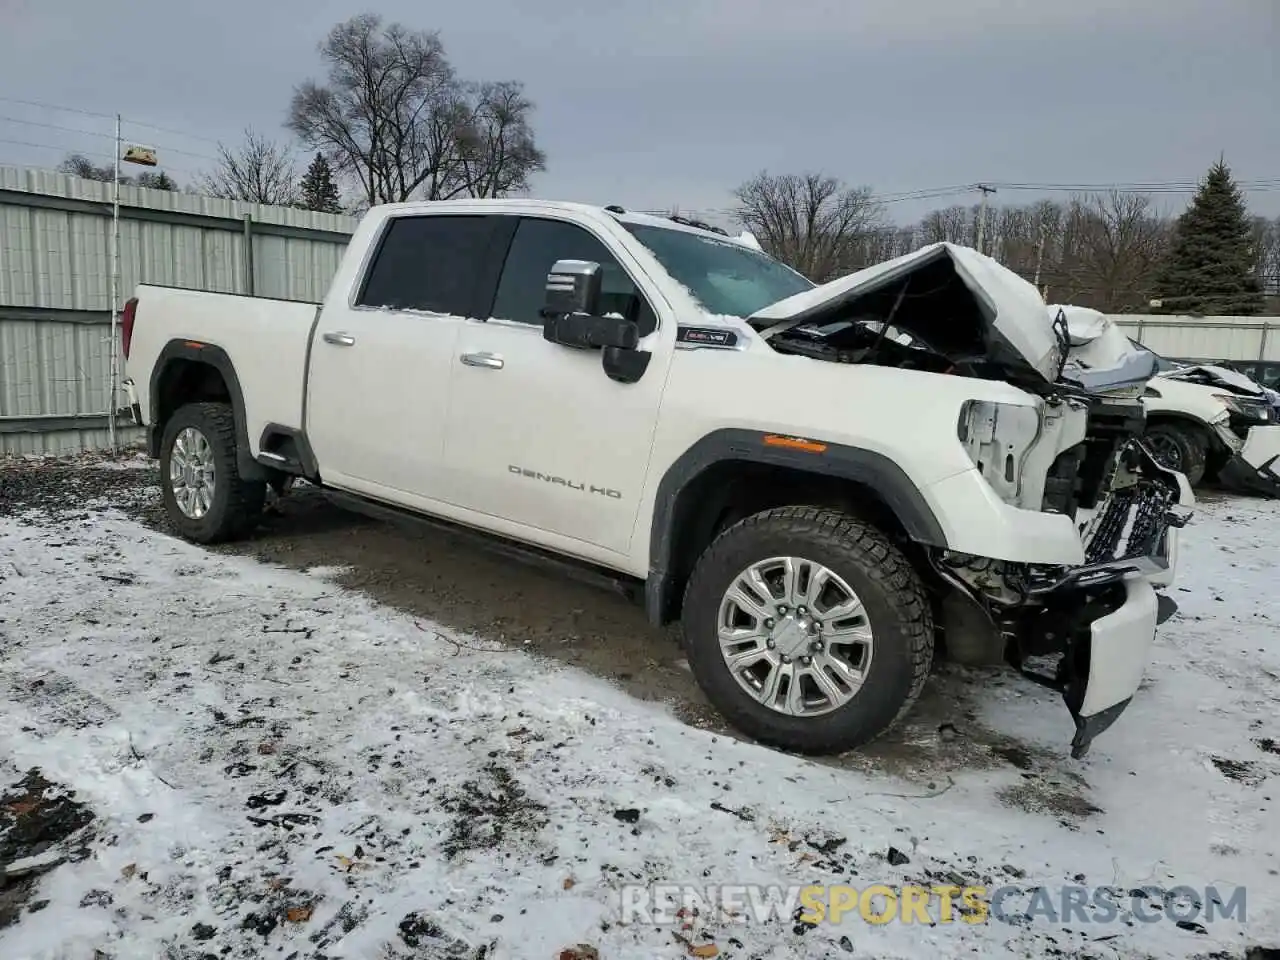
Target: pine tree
{"type": "Point", "coordinates": [157, 181]}
{"type": "Point", "coordinates": [319, 192]}
{"type": "Point", "coordinates": [1210, 269]}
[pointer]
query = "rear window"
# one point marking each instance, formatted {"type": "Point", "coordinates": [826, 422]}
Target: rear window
{"type": "Point", "coordinates": [428, 263]}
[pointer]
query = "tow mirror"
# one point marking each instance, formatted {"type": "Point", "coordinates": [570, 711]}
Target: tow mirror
{"type": "Point", "coordinates": [587, 332]}
{"type": "Point", "coordinates": [573, 286]}
{"type": "Point", "coordinates": [570, 316]}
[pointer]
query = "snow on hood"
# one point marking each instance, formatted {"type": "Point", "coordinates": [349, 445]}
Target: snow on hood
{"type": "Point", "coordinates": [1013, 310]}
{"type": "Point", "coordinates": [748, 239]}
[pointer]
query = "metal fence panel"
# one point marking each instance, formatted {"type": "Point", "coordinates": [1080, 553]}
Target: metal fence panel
{"type": "Point", "coordinates": [55, 289]}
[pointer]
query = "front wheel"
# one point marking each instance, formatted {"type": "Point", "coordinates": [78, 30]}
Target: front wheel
{"type": "Point", "coordinates": [206, 499]}
{"type": "Point", "coordinates": [807, 629]}
{"type": "Point", "coordinates": [1179, 447]}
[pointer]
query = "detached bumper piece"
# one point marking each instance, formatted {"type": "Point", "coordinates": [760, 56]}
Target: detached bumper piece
{"type": "Point", "coordinates": [1256, 467]}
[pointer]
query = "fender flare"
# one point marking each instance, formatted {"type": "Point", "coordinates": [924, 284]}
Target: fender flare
{"type": "Point", "coordinates": [211, 356]}
{"type": "Point", "coordinates": [871, 469]}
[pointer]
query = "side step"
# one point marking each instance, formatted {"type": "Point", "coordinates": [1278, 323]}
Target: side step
{"type": "Point", "coordinates": [629, 588]}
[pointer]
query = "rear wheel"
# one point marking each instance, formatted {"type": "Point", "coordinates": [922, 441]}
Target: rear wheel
{"type": "Point", "coordinates": [1180, 447]}
{"type": "Point", "coordinates": [204, 495]}
{"type": "Point", "coordinates": [807, 629]}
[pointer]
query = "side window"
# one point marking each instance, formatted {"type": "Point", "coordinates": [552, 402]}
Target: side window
{"type": "Point", "coordinates": [535, 248]}
{"type": "Point", "coordinates": [428, 263]}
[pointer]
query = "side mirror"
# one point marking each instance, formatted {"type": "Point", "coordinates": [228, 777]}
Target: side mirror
{"type": "Point", "coordinates": [573, 286]}
{"type": "Point", "coordinates": [587, 332]}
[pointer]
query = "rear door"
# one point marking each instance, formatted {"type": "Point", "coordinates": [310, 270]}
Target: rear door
{"type": "Point", "coordinates": [538, 434]}
{"type": "Point", "coordinates": [380, 363]}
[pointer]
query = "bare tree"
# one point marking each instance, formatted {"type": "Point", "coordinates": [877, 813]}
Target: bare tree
{"type": "Point", "coordinates": [393, 116]}
{"type": "Point", "coordinates": [260, 171]}
{"type": "Point", "coordinates": [811, 221]}
{"type": "Point", "coordinates": [1118, 243]}
{"type": "Point", "coordinates": [496, 144]}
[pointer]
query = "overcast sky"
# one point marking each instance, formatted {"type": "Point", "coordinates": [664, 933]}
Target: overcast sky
{"type": "Point", "coordinates": [653, 103]}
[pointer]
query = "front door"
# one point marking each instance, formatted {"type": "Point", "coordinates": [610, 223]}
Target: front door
{"type": "Point", "coordinates": [378, 383]}
{"type": "Point", "coordinates": [538, 434]}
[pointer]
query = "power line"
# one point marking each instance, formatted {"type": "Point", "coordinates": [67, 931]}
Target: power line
{"type": "Point", "coordinates": [93, 133]}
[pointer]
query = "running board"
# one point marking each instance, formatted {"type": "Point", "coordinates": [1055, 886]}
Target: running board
{"type": "Point", "coordinates": [628, 588]}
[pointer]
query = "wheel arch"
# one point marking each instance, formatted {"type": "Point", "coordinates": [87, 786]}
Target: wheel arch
{"type": "Point", "coordinates": [188, 371]}
{"type": "Point", "coordinates": [732, 473]}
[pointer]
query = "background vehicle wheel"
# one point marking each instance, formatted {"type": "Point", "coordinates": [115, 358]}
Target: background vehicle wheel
{"type": "Point", "coordinates": [807, 629]}
{"type": "Point", "coordinates": [1179, 447]}
{"type": "Point", "coordinates": [204, 495]}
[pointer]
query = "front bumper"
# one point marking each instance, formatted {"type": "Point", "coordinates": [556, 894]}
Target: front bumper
{"type": "Point", "coordinates": [1255, 466]}
{"type": "Point", "coordinates": [1102, 616]}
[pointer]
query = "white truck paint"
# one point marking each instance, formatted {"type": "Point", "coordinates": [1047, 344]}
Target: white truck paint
{"type": "Point", "coordinates": [653, 400]}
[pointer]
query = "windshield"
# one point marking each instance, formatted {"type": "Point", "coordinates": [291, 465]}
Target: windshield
{"type": "Point", "coordinates": [727, 278]}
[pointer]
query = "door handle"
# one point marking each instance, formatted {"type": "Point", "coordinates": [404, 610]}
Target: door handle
{"type": "Point", "coordinates": [490, 360]}
{"type": "Point", "coordinates": [340, 339]}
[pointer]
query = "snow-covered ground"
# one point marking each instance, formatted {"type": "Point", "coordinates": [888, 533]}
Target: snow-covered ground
{"type": "Point", "coordinates": [265, 764]}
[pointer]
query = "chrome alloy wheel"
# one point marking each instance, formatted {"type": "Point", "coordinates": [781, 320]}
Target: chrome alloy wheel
{"type": "Point", "coordinates": [191, 473]}
{"type": "Point", "coordinates": [795, 636]}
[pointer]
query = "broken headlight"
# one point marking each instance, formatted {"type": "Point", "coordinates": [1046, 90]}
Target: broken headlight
{"type": "Point", "coordinates": [998, 438]}
{"type": "Point", "coordinates": [1247, 408]}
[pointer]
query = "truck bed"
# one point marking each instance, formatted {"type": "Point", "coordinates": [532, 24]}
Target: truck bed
{"type": "Point", "coordinates": [265, 340]}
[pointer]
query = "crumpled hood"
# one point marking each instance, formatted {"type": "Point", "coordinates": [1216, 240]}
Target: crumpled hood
{"type": "Point", "coordinates": [1016, 325]}
{"type": "Point", "coordinates": [1102, 358]}
{"type": "Point", "coordinates": [1213, 376]}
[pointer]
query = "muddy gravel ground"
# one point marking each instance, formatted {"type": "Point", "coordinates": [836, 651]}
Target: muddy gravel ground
{"type": "Point", "coordinates": [456, 581]}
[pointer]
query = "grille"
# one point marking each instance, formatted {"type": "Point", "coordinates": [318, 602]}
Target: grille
{"type": "Point", "coordinates": [1131, 524]}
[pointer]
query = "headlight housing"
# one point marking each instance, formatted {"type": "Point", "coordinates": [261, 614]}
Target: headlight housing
{"type": "Point", "coordinates": [1014, 445]}
{"type": "Point", "coordinates": [1249, 408]}
{"type": "Point", "coordinates": [998, 438]}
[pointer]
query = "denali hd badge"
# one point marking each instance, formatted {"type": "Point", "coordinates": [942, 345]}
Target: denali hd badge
{"type": "Point", "coordinates": [707, 336]}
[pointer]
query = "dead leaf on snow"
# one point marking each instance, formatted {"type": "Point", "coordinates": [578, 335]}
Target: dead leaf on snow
{"type": "Point", "coordinates": [582, 951]}
{"type": "Point", "coordinates": [704, 950]}
{"type": "Point", "coordinates": [348, 864]}
{"type": "Point", "coordinates": [266, 748]}
{"type": "Point", "coordinates": [300, 914]}
{"type": "Point", "coordinates": [569, 882]}
{"type": "Point", "coordinates": [20, 808]}
{"type": "Point", "coordinates": [129, 870]}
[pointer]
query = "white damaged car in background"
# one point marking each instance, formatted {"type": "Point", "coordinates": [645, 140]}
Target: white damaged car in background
{"type": "Point", "coordinates": [1208, 422]}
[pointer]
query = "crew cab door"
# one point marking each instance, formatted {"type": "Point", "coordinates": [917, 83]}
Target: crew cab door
{"type": "Point", "coordinates": [538, 434]}
{"type": "Point", "coordinates": [381, 355]}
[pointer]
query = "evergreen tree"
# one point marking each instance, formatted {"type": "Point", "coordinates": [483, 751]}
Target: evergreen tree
{"type": "Point", "coordinates": [1211, 267]}
{"type": "Point", "coordinates": [157, 181]}
{"type": "Point", "coordinates": [319, 192]}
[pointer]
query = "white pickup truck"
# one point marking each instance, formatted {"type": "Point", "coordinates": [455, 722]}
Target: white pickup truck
{"type": "Point", "coordinates": [821, 483]}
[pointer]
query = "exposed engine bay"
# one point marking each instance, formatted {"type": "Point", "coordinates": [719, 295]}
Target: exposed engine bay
{"type": "Point", "coordinates": [928, 317]}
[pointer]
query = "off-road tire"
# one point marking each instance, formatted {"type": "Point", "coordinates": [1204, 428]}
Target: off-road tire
{"type": "Point", "coordinates": [884, 580]}
{"type": "Point", "coordinates": [1192, 445]}
{"type": "Point", "coordinates": [237, 503]}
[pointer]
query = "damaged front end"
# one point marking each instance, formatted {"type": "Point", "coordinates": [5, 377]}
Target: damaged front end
{"type": "Point", "coordinates": [1086, 630]}
{"type": "Point", "coordinates": [1248, 431]}
{"type": "Point", "coordinates": [1070, 524]}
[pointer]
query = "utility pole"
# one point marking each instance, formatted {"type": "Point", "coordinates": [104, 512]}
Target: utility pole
{"type": "Point", "coordinates": [982, 213]}
{"type": "Point", "coordinates": [115, 297]}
